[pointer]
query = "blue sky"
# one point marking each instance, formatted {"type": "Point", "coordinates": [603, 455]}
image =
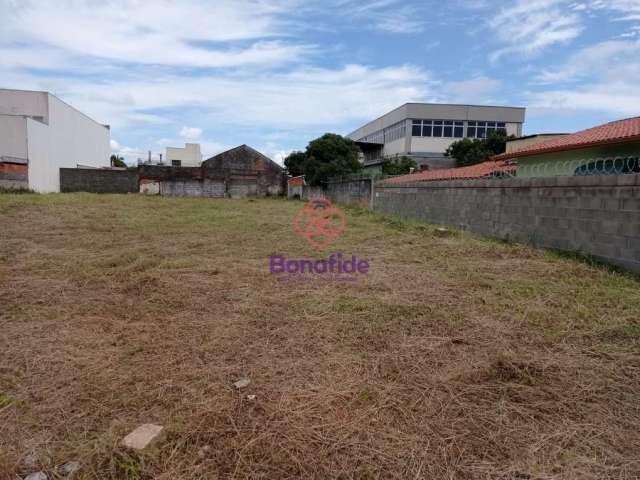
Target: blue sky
{"type": "Point", "coordinates": [277, 73]}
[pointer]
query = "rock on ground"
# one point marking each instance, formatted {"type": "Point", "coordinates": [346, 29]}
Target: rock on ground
{"type": "Point", "coordinates": [143, 436]}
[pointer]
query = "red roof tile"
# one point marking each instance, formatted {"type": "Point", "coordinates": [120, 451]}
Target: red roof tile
{"type": "Point", "coordinates": [480, 170]}
{"type": "Point", "coordinates": [296, 181]}
{"type": "Point", "coordinates": [620, 131]}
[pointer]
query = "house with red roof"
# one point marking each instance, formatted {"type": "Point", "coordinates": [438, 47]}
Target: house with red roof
{"type": "Point", "coordinates": [295, 186]}
{"type": "Point", "coordinates": [612, 148]}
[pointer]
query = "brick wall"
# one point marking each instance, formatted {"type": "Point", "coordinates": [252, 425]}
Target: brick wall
{"type": "Point", "coordinates": [98, 180]}
{"type": "Point", "coordinates": [595, 215]}
{"type": "Point", "coordinates": [14, 175]}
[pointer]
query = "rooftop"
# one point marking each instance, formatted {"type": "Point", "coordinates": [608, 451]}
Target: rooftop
{"type": "Point", "coordinates": [619, 131]}
{"type": "Point", "coordinates": [486, 169]}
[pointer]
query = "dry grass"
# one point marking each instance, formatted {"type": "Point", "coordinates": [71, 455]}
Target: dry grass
{"type": "Point", "coordinates": [457, 357]}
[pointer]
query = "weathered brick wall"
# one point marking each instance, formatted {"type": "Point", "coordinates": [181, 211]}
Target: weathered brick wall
{"type": "Point", "coordinates": [250, 172]}
{"type": "Point", "coordinates": [14, 176]}
{"type": "Point", "coordinates": [596, 215]}
{"type": "Point", "coordinates": [214, 180]}
{"type": "Point", "coordinates": [98, 180]}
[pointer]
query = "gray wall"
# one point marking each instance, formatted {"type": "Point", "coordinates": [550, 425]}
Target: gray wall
{"type": "Point", "coordinates": [355, 192]}
{"type": "Point", "coordinates": [98, 180]}
{"type": "Point", "coordinates": [597, 215]}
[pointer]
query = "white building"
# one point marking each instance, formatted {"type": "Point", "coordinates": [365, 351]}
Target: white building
{"type": "Point", "coordinates": [423, 131]}
{"type": "Point", "coordinates": [39, 134]}
{"type": "Point", "coordinates": [189, 156]}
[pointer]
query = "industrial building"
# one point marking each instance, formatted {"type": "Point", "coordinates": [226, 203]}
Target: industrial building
{"type": "Point", "coordinates": [423, 131]}
{"type": "Point", "coordinates": [189, 156]}
{"type": "Point", "coordinates": [39, 134]}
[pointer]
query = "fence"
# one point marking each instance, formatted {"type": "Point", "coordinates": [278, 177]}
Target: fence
{"type": "Point", "coordinates": [355, 191]}
{"type": "Point", "coordinates": [598, 215]}
{"type": "Point", "coordinates": [589, 206]}
{"type": "Point", "coordinates": [98, 180]}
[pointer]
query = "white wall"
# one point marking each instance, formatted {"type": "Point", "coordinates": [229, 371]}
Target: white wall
{"type": "Point", "coordinates": [23, 102]}
{"type": "Point", "coordinates": [189, 156]}
{"type": "Point", "coordinates": [13, 137]}
{"type": "Point", "coordinates": [397, 147]}
{"type": "Point", "coordinates": [70, 139]}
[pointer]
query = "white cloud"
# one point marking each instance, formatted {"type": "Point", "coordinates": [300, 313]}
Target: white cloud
{"type": "Point", "coordinates": [618, 59]}
{"type": "Point", "coordinates": [162, 32]}
{"type": "Point", "coordinates": [190, 134]}
{"type": "Point", "coordinates": [305, 97]}
{"type": "Point", "coordinates": [597, 78]}
{"type": "Point", "coordinates": [473, 88]}
{"type": "Point", "coordinates": [619, 99]}
{"type": "Point", "coordinates": [530, 26]}
{"type": "Point", "coordinates": [391, 16]}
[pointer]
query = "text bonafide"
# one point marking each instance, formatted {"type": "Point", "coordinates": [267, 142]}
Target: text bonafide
{"type": "Point", "coordinates": [334, 264]}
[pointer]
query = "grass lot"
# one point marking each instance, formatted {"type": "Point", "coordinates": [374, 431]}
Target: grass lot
{"type": "Point", "coordinates": [456, 357]}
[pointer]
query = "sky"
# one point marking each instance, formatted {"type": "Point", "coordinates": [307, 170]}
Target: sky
{"type": "Point", "coordinates": [275, 74]}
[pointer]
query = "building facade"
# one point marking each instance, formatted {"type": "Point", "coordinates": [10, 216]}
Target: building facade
{"type": "Point", "coordinates": [263, 176]}
{"type": "Point", "coordinates": [612, 148]}
{"type": "Point", "coordinates": [189, 156]}
{"type": "Point", "coordinates": [424, 131]}
{"type": "Point", "coordinates": [39, 134]}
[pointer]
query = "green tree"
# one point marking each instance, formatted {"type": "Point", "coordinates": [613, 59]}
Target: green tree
{"type": "Point", "coordinates": [117, 161]}
{"type": "Point", "coordinates": [469, 152]}
{"type": "Point", "coordinates": [399, 166]}
{"type": "Point", "coordinates": [329, 156]}
{"type": "Point", "coordinates": [295, 163]}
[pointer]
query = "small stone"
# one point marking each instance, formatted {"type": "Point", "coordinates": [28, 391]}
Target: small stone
{"type": "Point", "coordinates": [36, 476]}
{"type": "Point", "coordinates": [143, 436]}
{"type": "Point", "coordinates": [69, 468]}
{"type": "Point", "coordinates": [251, 397]}
{"type": "Point", "coordinates": [242, 383]}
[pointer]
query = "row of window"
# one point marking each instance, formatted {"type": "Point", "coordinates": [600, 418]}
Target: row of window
{"type": "Point", "coordinates": [454, 128]}
{"type": "Point", "coordinates": [389, 134]}
{"type": "Point", "coordinates": [437, 129]}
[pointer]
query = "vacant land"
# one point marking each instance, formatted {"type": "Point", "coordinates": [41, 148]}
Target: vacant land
{"type": "Point", "coordinates": [455, 357]}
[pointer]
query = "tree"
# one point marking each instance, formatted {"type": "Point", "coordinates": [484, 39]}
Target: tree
{"type": "Point", "coordinates": [329, 156]}
{"type": "Point", "coordinates": [469, 152]}
{"type": "Point", "coordinates": [117, 161]}
{"type": "Point", "coordinates": [295, 163]}
{"type": "Point", "coordinates": [399, 166]}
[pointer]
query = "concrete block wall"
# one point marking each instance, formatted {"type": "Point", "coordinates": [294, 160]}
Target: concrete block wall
{"type": "Point", "coordinates": [98, 180]}
{"type": "Point", "coordinates": [356, 192]}
{"type": "Point", "coordinates": [595, 215]}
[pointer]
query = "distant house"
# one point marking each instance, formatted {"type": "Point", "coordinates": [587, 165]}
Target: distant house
{"type": "Point", "coordinates": [606, 149]}
{"type": "Point", "coordinates": [189, 156]}
{"type": "Point", "coordinates": [267, 177]}
{"type": "Point", "coordinates": [39, 134]}
{"type": "Point", "coordinates": [295, 187]}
